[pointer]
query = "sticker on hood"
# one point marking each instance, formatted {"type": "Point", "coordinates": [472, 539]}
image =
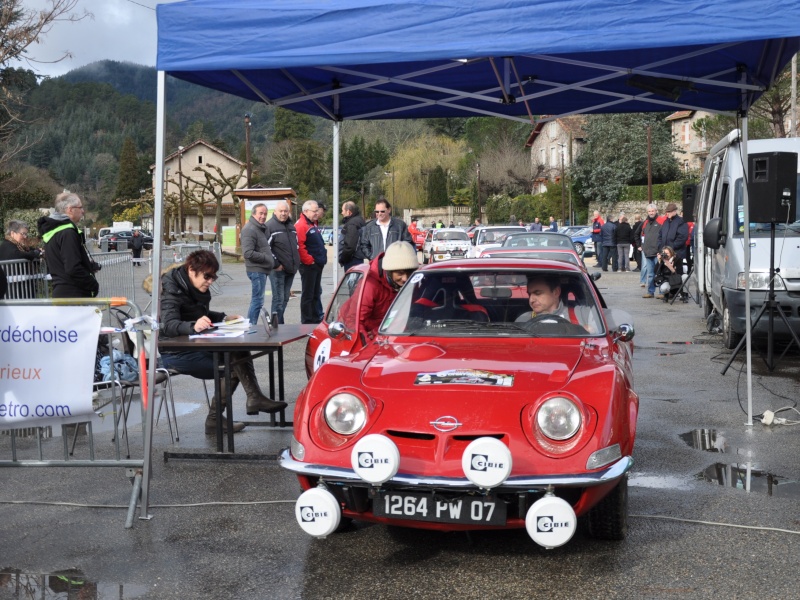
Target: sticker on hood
{"type": "Point", "coordinates": [465, 377]}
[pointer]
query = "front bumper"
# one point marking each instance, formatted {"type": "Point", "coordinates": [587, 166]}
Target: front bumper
{"type": "Point", "coordinates": [603, 476]}
{"type": "Point", "coordinates": [789, 306]}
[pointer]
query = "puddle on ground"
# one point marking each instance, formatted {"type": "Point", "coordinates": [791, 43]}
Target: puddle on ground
{"type": "Point", "coordinates": [63, 585]}
{"type": "Point", "coordinates": [708, 440]}
{"type": "Point", "coordinates": [659, 482]}
{"type": "Point", "coordinates": [750, 479]}
{"type": "Point", "coordinates": [678, 343]}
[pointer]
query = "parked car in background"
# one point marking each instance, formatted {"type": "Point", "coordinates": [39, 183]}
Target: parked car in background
{"type": "Point", "coordinates": [444, 244]}
{"type": "Point", "coordinates": [327, 235]}
{"type": "Point", "coordinates": [467, 412]}
{"type": "Point", "coordinates": [491, 236]}
{"type": "Point", "coordinates": [583, 241]}
{"type": "Point", "coordinates": [113, 240]}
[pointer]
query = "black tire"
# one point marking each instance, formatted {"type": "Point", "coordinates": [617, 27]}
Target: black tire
{"type": "Point", "coordinates": [730, 339]}
{"type": "Point", "coordinates": [608, 520]}
{"type": "Point", "coordinates": [579, 247]}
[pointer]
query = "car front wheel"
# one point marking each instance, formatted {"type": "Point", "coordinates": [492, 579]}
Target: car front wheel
{"type": "Point", "coordinates": [730, 338]}
{"type": "Point", "coordinates": [608, 520]}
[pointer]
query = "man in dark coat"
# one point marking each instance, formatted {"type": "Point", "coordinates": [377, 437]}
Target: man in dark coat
{"type": "Point", "coordinates": [282, 240]}
{"type": "Point", "coordinates": [352, 222]}
{"type": "Point", "coordinates": [608, 248]}
{"type": "Point", "coordinates": [380, 233]}
{"type": "Point", "coordinates": [674, 232]}
{"type": "Point", "coordinates": [137, 243]}
{"type": "Point", "coordinates": [637, 241]}
{"type": "Point", "coordinates": [68, 262]}
{"type": "Point", "coordinates": [313, 257]}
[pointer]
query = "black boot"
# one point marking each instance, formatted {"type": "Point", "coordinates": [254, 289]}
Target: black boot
{"type": "Point", "coordinates": [256, 401]}
{"type": "Point", "coordinates": [211, 419]}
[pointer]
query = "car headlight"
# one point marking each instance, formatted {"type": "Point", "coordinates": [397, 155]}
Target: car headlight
{"type": "Point", "coordinates": [345, 413]}
{"type": "Point", "coordinates": [558, 418]}
{"type": "Point", "coordinates": [759, 281]}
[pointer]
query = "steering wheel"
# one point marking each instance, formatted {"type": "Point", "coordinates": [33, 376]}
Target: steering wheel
{"type": "Point", "coordinates": [557, 322]}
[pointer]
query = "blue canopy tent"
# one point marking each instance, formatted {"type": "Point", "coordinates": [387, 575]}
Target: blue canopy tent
{"type": "Point", "coordinates": [387, 59]}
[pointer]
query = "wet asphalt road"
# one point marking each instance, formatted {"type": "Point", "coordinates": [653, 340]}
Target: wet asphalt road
{"type": "Point", "coordinates": [253, 548]}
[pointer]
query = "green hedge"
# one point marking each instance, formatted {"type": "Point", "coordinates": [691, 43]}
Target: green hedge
{"type": "Point", "coordinates": [662, 192]}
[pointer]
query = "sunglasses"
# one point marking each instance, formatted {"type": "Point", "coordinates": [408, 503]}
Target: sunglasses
{"type": "Point", "coordinates": [210, 276]}
{"type": "Point", "coordinates": [379, 212]}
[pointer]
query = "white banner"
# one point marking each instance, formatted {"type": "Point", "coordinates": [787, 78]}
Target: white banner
{"type": "Point", "coordinates": [47, 361]}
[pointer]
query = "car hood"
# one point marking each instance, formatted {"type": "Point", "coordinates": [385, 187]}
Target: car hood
{"type": "Point", "coordinates": [519, 364]}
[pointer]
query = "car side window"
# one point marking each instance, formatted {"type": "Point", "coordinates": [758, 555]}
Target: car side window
{"type": "Point", "coordinates": [343, 306]}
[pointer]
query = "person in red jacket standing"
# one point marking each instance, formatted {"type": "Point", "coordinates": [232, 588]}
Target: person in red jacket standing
{"type": "Point", "coordinates": [313, 257]}
{"type": "Point", "coordinates": [387, 274]}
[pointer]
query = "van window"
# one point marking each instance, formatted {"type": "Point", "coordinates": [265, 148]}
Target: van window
{"type": "Point", "coordinates": [762, 228]}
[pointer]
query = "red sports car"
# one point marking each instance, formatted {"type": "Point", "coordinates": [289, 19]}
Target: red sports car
{"type": "Point", "coordinates": [469, 410]}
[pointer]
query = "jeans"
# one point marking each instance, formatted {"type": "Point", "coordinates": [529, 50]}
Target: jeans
{"type": "Point", "coordinates": [258, 282]}
{"type": "Point", "coordinates": [197, 364]}
{"type": "Point", "coordinates": [649, 273]}
{"type": "Point", "coordinates": [281, 283]}
{"type": "Point", "coordinates": [311, 293]}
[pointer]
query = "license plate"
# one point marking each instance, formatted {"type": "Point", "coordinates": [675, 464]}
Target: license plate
{"type": "Point", "coordinates": [467, 510]}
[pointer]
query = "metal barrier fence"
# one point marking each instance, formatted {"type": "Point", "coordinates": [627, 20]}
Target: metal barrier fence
{"type": "Point", "coordinates": [116, 276]}
{"type": "Point", "coordinates": [23, 452]}
{"type": "Point", "coordinates": [27, 279]}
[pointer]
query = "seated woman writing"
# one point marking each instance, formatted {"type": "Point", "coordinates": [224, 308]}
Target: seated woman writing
{"type": "Point", "coordinates": [185, 311]}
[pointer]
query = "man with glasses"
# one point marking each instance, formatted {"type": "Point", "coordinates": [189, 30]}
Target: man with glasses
{"type": "Point", "coordinates": [383, 231]}
{"type": "Point", "coordinates": [313, 256]}
{"type": "Point", "coordinates": [68, 262]}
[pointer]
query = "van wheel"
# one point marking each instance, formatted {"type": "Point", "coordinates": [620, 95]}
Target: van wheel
{"type": "Point", "coordinates": [729, 337]}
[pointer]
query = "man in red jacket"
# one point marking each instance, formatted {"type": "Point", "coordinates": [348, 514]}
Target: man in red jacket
{"type": "Point", "coordinates": [387, 274]}
{"type": "Point", "coordinates": [313, 256]}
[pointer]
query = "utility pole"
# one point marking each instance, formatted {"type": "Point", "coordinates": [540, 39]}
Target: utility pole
{"type": "Point", "coordinates": [649, 168]}
{"type": "Point", "coordinates": [180, 192]}
{"type": "Point", "coordinates": [247, 147]}
{"type": "Point", "coordinates": [480, 210]}
{"type": "Point", "coordinates": [563, 189]}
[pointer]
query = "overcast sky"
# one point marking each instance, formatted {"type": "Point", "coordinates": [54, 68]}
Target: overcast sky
{"type": "Point", "coordinates": [123, 30]}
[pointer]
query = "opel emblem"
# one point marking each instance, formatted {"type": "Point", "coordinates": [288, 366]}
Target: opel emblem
{"type": "Point", "coordinates": [445, 424]}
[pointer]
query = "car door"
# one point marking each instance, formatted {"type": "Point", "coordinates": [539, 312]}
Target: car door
{"type": "Point", "coordinates": [343, 309]}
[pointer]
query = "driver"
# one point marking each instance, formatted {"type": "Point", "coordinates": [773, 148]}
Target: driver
{"type": "Point", "coordinates": [544, 297]}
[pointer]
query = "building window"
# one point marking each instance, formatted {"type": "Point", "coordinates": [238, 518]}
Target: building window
{"type": "Point", "coordinates": [542, 157]}
{"type": "Point", "coordinates": [200, 159]}
{"type": "Point", "coordinates": [686, 133]}
{"type": "Point", "coordinates": [686, 165]}
{"type": "Point", "coordinates": [553, 129]}
{"type": "Point", "coordinates": [553, 156]}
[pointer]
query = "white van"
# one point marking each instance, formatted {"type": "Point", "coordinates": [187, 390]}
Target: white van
{"type": "Point", "coordinates": [719, 238]}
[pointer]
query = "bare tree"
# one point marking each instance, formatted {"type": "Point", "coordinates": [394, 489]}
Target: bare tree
{"type": "Point", "coordinates": [212, 183]}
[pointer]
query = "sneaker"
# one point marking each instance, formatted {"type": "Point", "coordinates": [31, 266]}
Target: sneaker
{"type": "Point", "coordinates": [647, 296]}
{"type": "Point", "coordinates": [659, 296]}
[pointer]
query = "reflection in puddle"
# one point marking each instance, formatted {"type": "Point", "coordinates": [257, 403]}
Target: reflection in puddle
{"type": "Point", "coordinates": [747, 477]}
{"type": "Point", "coordinates": [659, 482]}
{"type": "Point", "coordinates": [706, 439]}
{"type": "Point", "coordinates": [64, 585]}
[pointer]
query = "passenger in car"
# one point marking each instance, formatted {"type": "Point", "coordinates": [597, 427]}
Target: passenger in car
{"type": "Point", "coordinates": [545, 298]}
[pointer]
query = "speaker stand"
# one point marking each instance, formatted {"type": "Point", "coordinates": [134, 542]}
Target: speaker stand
{"type": "Point", "coordinates": [774, 307]}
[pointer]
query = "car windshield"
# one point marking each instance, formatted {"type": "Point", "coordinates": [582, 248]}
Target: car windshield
{"type": "Point", "coordinates": [538, 240]}
{"type": "Point", "coordinates": [495, 303]}
{"type": "Point", "coordinates": [450, 236]}
{"type": "Point", "coordinates": [496, 234]}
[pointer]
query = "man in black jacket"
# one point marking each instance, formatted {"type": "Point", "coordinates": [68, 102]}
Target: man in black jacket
{"type": "Point", "coordinates": [349, 255]}
{"type": "Point", "coordinates": [282, 240]}
{"type": "Point", "coordinates": [380, 233]}
{"type": "Point", "coordinates": [67, 259]}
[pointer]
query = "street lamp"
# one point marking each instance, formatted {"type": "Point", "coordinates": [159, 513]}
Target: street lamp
{"type": "Point", "coordinates": [247, 147]}
{"type": "Point", "coordinates": [392, 174]}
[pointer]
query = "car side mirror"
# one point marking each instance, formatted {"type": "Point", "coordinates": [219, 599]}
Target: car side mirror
{"type": "Point", "coordinates": [596, 275]}
{"type": "Point", "coordinates": [337, 330]}
{"type": "Point", "coordinates": [624, 333]}
{"type": "Point", "coordinates": [713, 237]}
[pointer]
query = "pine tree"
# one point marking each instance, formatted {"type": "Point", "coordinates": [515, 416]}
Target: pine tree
{"type": "Point", "coordinates": [129, 180]}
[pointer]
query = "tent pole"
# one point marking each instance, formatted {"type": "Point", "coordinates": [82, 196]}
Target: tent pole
{"type": "Point", "coordinates": [337, 126]}
{"type": "Point", "coordinates": [748, 325]}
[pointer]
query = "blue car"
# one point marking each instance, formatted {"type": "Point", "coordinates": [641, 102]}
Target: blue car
{"type": "Point", "coordinates": [327, 235]}
{"type": "Point", "coordinates": [581, 237]}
